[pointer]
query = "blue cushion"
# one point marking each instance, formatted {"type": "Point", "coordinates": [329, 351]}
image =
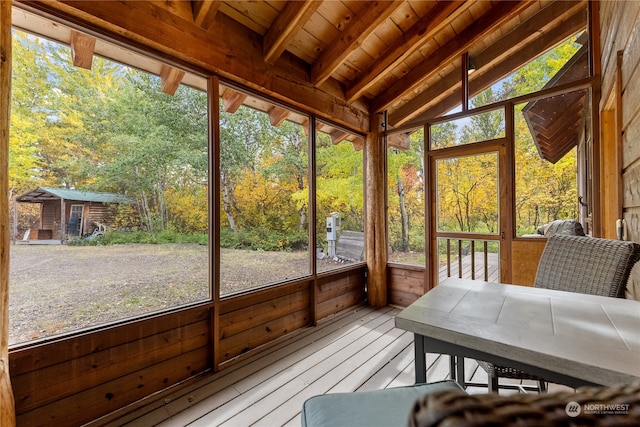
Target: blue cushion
{"type": "Point", "coordinates": [384, 408]}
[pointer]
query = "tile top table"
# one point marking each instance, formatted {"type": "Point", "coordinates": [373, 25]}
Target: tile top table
{"type": "Point", "coordinates": [564, 337]}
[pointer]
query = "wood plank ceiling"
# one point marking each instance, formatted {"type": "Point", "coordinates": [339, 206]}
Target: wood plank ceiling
{"type": "Point", "coordinates": [344, 58]}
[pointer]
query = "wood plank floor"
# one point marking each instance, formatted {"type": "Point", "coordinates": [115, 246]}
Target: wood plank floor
{"type": "Point", "coordinates": [354, 351]}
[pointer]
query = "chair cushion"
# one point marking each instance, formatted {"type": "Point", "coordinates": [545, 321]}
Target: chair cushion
{"type": "Point", "coordinates": [586, 265]}
{"type": "Point", "coordinates": [384, 408]}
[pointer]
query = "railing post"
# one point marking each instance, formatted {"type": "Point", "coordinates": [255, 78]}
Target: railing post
{"type": "Point", "coordinates": [473, 260]}
{"type": "Point", "coordinates": [486, 261]}
{"type": "Point", "coordinates": [460, 259]}
{"type": "Point", "coordinates": [448, 257]}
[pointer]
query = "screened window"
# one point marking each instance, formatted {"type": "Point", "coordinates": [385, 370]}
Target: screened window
{"type": "Point", "coordinates": [264, 193]}
{"type": "Point", "coordinates": [339, 197]}
{"type": "Point", "coordinates": [406, 180]}
{"type": "Point", "coordinates": [109, 172]}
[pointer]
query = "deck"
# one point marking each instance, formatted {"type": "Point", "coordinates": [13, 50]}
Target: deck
{"type": "Point", "coordinates": [355, 351]}
{"type": "Point", "coordinates": [464, 269]}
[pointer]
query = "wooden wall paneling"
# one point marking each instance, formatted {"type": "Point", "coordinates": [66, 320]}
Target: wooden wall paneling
{"type": "Point", "coordinates": [610, 16]}
{"type": "Point", "coordinates": [86, 377]}
{"type": "Point", "coordinates": [631, 142]}
{"type": "Point", "coordinates": [631, 46]}
{"type": "Point", "coordinates": [258, 314]}
{"type": "Point", "coordinates": [75, 375]}
{"type": "Point", "coordinates": [335, 286]}
{"type": "Point", "coordinates": [29, 359]}
{"type": "Point", "coordinates": [261, 334]}
{"type": "Point", "coordinates": [632, 218]}
{"type": "Point", "coordinates": [248, 321]}
{"type": "Point", "coordinates": [339, 293]}
{"type": "Point", "coordinates": [238, 302]}
{"type": "Point", "coordinates": [330, 307]}
{"type": "Point", "coordinates": [118, 393]}
{"type": "Point", "coordinates": [630, 95]}
{"type": "Point", "coordinates": [526, 255]}
{"type": "Point", "coordinates": [631, 188]}
{"type": "Point", "coordinates": [406, 284]}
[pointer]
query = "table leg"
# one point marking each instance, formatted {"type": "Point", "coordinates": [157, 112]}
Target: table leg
{"type": "Point", "coordinates": [460, 371]}
{"type": "Point", "coordinates": [420, 359]}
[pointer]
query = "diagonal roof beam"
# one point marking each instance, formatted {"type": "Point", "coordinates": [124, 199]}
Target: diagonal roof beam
{"type": "Point", "coordinates": [351, 39]}
{"type": "Point", "coordinates": [559, 20]}
{"type": "Point", "coordinates": [451, 50]}
{"type": "Point", "coordinates": [204, 12]}
{"type": "Point", "coordinates": [291, 20]}
{"type": "Point", "coordinates": [442, 14]}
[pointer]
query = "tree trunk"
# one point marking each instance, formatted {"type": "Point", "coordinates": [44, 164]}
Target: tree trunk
{"type": "Point", "coordinates": [7, 402]}
{"type": "Point", "coordinates": [404, 218]}
{"type": "Point", "coordinates": [227, 200]}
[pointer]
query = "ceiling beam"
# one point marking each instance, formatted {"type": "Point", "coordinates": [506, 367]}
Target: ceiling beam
{"type": "Point", "coordinates": [559, 20]}
{"type": "Point", "coordinates": [204, 12]}
{"type": "Point", "coordinates": [227, 48]}
{"type": "Point", "coordinates": [290, 20]}
{"type": "Point", "coordinates": [232, 100]}
{"type": "Point", "coordinates": [399, 140]}
{"type": "Point", "coordinates": [277, 115]}
{"type": "Point", "coordinates": [351, 39]}
{"type": "Point", "coordinates": [82, 49]}
{"type": "Point", "coordinates": [450, 51]}
{"type": "Point", "coordinates": [170, 78]}
{"type": "Point", "coordinates": [442, 14]}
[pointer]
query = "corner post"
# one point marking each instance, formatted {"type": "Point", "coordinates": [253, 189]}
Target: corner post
{"type": "Point", "coordinates": [7, 402]}
{"type": "Point", "coordinates": [376, 229]}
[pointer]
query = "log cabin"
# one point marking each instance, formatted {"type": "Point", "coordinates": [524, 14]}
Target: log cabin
{"type": "Point", "coordinates": [375, 70]}
{"type": "Point", "coordinates": [68, 213]}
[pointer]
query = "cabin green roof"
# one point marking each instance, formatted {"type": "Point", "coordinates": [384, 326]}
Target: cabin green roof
{"type": "Point", "coordinates": [43, 194]}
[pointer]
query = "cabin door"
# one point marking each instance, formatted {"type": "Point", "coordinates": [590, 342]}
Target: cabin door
{"type": "Point", "coordinates": [75, 220]}
{"type": "Point", "coordinates": [467, 232]}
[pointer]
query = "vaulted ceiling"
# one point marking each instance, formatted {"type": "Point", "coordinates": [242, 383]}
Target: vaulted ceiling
{"type": "Point", "coordinates": [341, 59]}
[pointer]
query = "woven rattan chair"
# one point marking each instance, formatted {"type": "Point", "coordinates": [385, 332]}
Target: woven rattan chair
{"type": "Point", "coordinates": [580, 264]}
{"type": "Point", "coordinates": [615, 406]}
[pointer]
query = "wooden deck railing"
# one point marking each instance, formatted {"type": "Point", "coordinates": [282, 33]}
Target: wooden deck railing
{"type": "Point", "coordinates": [468, 259]}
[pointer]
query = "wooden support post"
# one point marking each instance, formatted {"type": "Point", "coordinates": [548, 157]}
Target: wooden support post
{"type": "Point", "coordinates": [7, 403]}
{"type": "Point", "coordinates": [376, 229]}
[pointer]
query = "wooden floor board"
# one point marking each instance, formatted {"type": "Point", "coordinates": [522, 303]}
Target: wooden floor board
{"type": "Point", "coordinates": [358, 350]}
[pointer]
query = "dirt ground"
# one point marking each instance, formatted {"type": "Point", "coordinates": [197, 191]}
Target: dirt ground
{"type": "Point", "coordinates": [56, 289]}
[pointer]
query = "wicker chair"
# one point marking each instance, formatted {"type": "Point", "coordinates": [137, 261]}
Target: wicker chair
{"type": "Point", "coordinates": [615, 406]}
{"type": "Point", "coordinates": [580, 264]}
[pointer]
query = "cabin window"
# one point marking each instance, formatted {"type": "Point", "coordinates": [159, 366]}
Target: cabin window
{"type": "Point", "coordinates": [480, 127]}
{"type": "Point", "coordinates": [405, 193]}
{"type": "Point", "coordinates": [264, 192]}
{"type": "Point", "coordinates": [109, 172]}
{"type": "Point", "coordinates": [564, 63]}
{"type": "Point", "coordinates": [547, 133]}
{"type": "Point", "coordinates": [339, 197]}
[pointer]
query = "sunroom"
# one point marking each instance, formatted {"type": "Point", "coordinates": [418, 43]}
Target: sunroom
{"type": "Point", "coordinates": [327, 157]}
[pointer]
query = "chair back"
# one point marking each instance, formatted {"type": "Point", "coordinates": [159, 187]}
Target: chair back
{"type": "Point", "coordinates": [587, 265]}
